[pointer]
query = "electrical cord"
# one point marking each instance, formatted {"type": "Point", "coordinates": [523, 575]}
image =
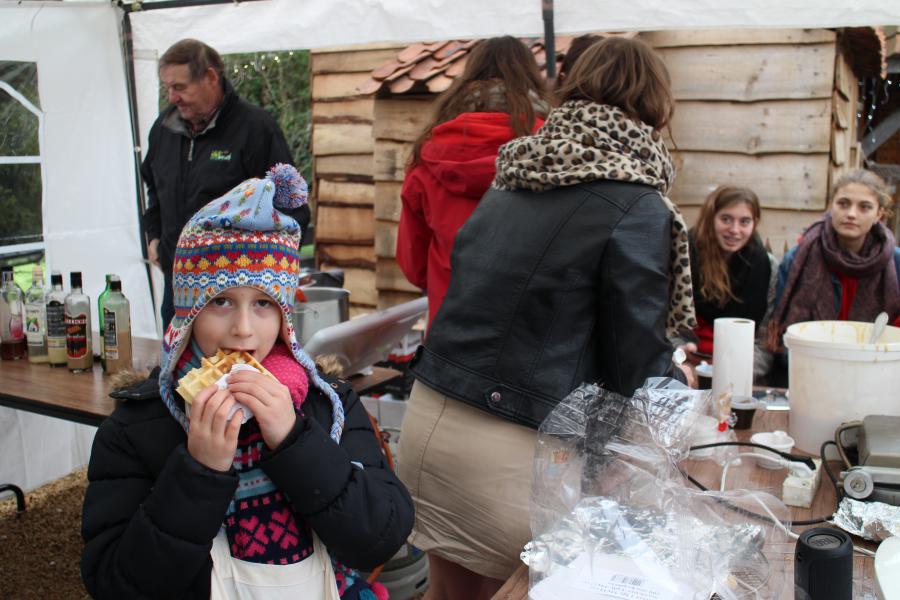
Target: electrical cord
{"type": "Point", "coordinates": [791, 457]}
{"type": "Point", "coordinates": [770, 516]}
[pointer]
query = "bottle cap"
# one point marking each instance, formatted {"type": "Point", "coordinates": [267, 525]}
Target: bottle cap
{"type": "Point", "coordinates": [115, 284]}
{"type": "Point", "coordinates": [75, 279]}
{"type": "Point", "coordinates": [55, 278]}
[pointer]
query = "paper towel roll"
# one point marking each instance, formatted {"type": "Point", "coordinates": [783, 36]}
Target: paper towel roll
{"type": "Point", "coordinates": [733, 356]}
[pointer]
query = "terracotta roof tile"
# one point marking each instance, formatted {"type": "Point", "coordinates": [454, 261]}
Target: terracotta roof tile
{"type": "Point", "coordinates": [424, 68]}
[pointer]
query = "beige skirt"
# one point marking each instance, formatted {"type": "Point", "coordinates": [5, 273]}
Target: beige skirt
{"type": "Point", "coordinates": [469, 474]}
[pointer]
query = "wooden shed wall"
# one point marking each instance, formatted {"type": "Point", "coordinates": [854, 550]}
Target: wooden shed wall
{"type": "Point", "coordinates": [773, 110]}
{"type": "Point", "coordinates": [342, 147]}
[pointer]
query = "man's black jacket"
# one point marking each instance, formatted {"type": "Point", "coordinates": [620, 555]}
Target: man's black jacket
{"type": "Point", "coordinates": [183, 173]}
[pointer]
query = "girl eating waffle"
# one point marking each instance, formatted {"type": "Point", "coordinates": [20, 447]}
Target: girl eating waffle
{"type": "Point", "coordinates": [188, 500]}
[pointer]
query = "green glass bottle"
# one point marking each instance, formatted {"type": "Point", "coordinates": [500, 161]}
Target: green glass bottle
{"type": "Point", "coordinates": [101, 299]}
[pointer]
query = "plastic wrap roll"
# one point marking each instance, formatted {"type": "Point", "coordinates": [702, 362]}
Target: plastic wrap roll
{"type": "Point", "coordinates": [733, 356]}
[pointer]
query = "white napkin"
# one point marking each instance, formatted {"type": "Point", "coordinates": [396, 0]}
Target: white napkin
{"type": "Point", "coordinates": [246, 413]}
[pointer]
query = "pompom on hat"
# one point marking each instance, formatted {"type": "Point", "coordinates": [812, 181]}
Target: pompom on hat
{"type": "Point", "coordinates": [241, 239]}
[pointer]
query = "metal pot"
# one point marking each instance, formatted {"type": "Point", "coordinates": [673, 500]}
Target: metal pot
{"type": "Point", "coordinates": [324, 307]}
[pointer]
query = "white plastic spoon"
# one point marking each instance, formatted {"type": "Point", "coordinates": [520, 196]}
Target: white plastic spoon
{"type": "Point", "coordinates": [878, 328]}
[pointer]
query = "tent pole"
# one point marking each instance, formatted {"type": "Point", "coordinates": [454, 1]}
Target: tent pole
{"type": "Point", "coordinates": [128, 59]}
{"type": "Point", "coordinates": [140, 6]}
{"type": "Point", "coordinates": [549, 39]}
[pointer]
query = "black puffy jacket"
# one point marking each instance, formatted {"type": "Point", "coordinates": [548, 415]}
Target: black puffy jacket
{"type": "Point", "coordinates": [549, 290]}
{"type": "Point", "coordinates": [151, 511]}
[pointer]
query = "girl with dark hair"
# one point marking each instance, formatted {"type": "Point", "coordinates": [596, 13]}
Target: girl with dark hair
{"type": "Point", "coordinates": [733, 275]}
{"type": "Point", "coordinates": [846, 266]}
{"type": "Point", "coordinates": [499, 96]}
{"type": "Point", "coordinates": [560, 276]}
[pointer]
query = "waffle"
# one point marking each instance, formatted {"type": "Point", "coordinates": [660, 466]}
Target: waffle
{"type": "Point", "coordinates": [212, 369]}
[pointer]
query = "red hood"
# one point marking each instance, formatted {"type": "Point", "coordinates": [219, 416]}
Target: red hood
{"type": "Point", "coordinates": [461, 153]}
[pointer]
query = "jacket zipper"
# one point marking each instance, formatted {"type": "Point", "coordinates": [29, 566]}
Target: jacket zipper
{"type": "Point", "coordinates": [191, 150]}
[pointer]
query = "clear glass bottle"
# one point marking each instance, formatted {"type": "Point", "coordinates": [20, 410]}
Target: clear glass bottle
{"type": "Point", "coordinates": [56, 322]}
{"type": "Point", "coordinates": [79, 350]}
{"type": "Point", "coordinates": [36, 317]}
{"type": "Point", "coordinates": [116, 329]}
{"type": "Point", "coordinates": [100, 300]}
{"type": "Point", "coordinates": [12, 324]}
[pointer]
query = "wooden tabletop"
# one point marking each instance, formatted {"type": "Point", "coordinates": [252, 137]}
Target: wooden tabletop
{"type": "Point", "coordinates": [748, 476]}
{"type": "Point", "coordinates": [84, 397]}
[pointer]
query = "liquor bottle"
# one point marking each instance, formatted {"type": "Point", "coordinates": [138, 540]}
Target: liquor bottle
{"type": "Point", "coordinates": [79, 351]}
{"type": "Point", "coordinates": [12, 331]}
{"type": "Point", "coordinates": [56, 322]}
{"type": "Point", "coordinates": [36, 317]}
{"type": "Point", "coordinates": [100, 300]}
{"type": "Point", "coordinates": [116, 329]}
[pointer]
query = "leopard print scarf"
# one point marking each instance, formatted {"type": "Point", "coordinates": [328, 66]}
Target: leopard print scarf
{"type": "Point", "coordinates": [585, 141]}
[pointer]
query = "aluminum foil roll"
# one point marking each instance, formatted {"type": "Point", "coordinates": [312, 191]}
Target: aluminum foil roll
{"type": "Point", "coordinates": [874, 521]}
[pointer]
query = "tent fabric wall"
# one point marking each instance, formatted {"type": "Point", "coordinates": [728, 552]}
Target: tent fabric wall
{"type": "Point", "coordinates": [90, 220]}
{"type": "Point", "coordinates": [90, 216]}
{"type": "Point", "coordinates": [291, 24]}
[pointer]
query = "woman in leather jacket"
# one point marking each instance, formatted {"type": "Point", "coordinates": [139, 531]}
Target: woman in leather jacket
{"type": "Point", "coordinates": [572, 268]}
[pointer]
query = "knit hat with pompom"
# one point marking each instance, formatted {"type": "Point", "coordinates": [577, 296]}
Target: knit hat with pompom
{"type": "Point", "coordinates": [241, 239]}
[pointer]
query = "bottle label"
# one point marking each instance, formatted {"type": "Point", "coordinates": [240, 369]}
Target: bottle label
{"type": "Point", "coordinates": [56, 320]}
{"type": "Point", "coordinates": [110, 341]}
{"type": "Point", "coordinates": [35, 324]}
{"type": "Point", "coordinates": [76, 336]}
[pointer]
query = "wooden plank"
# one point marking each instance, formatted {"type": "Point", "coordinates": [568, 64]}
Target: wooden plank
{"type": "Point", "coordinates": [385, 239]}
{"type": "Point", "coordinates": [401, 119]}
{"type": "Point", "coordinates": [360, 282]}
{"type": "Point", "coordinates": [390, 160]}
{"type": "Point", "coordinates": [839, 147]}
{"type": "Point", "coordinates": [751, 73]}
{"type": "Point", "coordinates": [844, 78]}
{"type": "Point", "coordinates": [337, 85]}
{"type": "Point", "coordinates": [840, 109]}
{"type": "Point", "coordinates": [389, 298]}
{"type": "Point", "coordinates": [345, 255]}
{"type": "Point", "coordinates": [388, 276]}
{"type": "Point", "coordinates": [730, 37]}
{"type": "Point", "coordinates": [354, 61]}
{"type": "Point", "coordinates": [339, 224]}
{"type": "Point", "coordinates": [387, 200]}
{"type": "Point", "coordinates": [346, 192]}
{"type": "Point", "coordinates": [753, 128]}
{"type": "Point", "coordinates": [344, 166]}
{"type": "Point", "coordinates": [342, 138]}
{"type": "Point", "coordinates": [792, 181]}
{"type": "Point", "coordinates": [361, 110]}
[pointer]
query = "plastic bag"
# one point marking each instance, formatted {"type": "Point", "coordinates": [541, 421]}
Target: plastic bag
{"type": "Point", "coordinates": [612, 519]}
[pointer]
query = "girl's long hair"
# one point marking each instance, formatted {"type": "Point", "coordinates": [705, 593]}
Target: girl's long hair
{"type": "Point", "coordinates": [502, 60]}
{"type": "Point", "coordinates": [715, 283]}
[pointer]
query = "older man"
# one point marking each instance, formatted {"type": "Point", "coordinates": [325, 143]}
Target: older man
{"type": "Point", "coordinates": [204, 143]}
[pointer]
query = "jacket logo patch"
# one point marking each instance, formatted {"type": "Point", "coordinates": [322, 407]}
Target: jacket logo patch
{"type": "Point", "coordinates": [220, 155]}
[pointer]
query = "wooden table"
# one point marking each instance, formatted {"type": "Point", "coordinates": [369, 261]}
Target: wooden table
{"type": "Point", "coordinates": [84, 397]}
{"type": "Point", "coordinates": [748, 476]}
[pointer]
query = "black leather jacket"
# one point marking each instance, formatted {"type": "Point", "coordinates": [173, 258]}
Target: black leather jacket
{"type": "Point", "coordinates": [549, 290]}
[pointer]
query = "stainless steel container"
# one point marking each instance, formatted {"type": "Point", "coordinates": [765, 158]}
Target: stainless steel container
{"type": "Point", "coordinates": [324, 306]}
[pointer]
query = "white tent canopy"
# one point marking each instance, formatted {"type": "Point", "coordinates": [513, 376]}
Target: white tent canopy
{"type": "Point", "coordinates": [89, 203]}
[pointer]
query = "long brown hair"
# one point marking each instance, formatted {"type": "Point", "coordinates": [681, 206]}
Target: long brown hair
{"type": "Point", "coordinates": [504, 60]}
{"type": "Point", "coordinates": [715, 282]}
{"type": "Point", "coordinates": [625, 73]}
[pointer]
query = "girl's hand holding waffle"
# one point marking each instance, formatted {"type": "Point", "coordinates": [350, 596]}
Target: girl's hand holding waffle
{"type": "Point", "coordinates": [212, 438]}
{"type": "Point", "coordinates": [270, 402]}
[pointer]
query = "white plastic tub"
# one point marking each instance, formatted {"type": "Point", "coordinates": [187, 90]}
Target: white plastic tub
{"type": "Point", "coordinates": [835, 376]}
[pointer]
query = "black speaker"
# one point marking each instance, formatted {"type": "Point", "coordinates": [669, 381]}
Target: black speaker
{"type": "Point", "coordinates": [823, 565]}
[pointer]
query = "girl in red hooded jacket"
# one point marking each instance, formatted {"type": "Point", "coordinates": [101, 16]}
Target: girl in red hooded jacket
{"type": "Point", "coordinates": [499, 96]}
